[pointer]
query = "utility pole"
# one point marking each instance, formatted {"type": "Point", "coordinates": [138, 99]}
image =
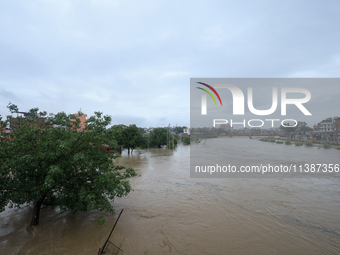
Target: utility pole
{"type": "Point", "coordinates": [169, 138]}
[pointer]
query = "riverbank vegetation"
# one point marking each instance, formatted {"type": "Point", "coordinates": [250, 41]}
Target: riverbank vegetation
{"type": "Point", "coordinates": [297, 143]}
{"type": "Point", "coordinates": [327, 146]}
{"type": "Point", "coordinates": [131, 137]}
{"type": "Point", "coordinates": [309, 144]}
{"type": "Point", "coordinates": [186, 139]}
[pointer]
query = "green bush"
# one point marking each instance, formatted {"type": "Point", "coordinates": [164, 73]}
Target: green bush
{"type": "Point", "coordinates": [272, 140]}
{"type": "Point", "coordinates": [309, 144]}
{"type": "Point", "coordinates": [279, 142]}
{"type": "Point", "coordinates": [298, 143]}
{"type": "Point", "coordinates": [288, 142]}
{"type": "Point", "coordinates": [172, 141]}
{"type": "Point", "coordinates": [186, 139]}
{"type": "Point", "coordinates": [327, 146]}
{"type": "Point", "coordinates": [338, 148]}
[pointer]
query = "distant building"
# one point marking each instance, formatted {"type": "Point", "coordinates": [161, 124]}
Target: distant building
{"type": "Point", "coordinates": [82, 124]}
{"type": "Point", "coordinates": [226, 127]}
{"type": "Point", "coordinates": [328, 130]}
{"type": "Point", "coordinates": [9, 128]}
{"type": "Point", "coordinates": [186, 131]}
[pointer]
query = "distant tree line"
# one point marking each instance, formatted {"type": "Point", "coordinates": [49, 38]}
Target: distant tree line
{"type": "Point", "coordinates": [300, 126]}
{"type": "Point", "coordinates": [179, 129]}
{"type": "Point", "coordinates": [132, 137]}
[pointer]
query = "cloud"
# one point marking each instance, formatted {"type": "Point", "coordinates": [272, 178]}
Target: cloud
{"type": "Point", "coordinates": [136, 58]}
{"type": "Point", "coordinates": [128, 120]}
{"type": "Point", "coordinates": [8, 94]}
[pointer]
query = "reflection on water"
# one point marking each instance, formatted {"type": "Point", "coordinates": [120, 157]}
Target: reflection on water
{"type": "Point", "coordinates": [169, 213]}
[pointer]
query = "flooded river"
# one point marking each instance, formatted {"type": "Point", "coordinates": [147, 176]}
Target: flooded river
{"type": "Point", "coordinates": [170, 213]}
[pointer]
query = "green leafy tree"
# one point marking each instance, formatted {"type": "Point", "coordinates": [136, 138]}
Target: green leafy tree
{"type": "Point", "coordinates": [158, 137]}
{"type": "Point", "coordinates": [117, 132]}
{"type": "Point", "coordinates": [118, 135]}
{"type": "Point", "coordinates": [47, 159]}
{"type": "Point", "coordinates": [173, 140]}
{"type": "Point", "coordinates": [302, 126]}
{"type": "Point", "coordinates": [287, 128]}
{"type": "Point", "coordinates": [132, 137]}
{"type": "Point", "coordinates": [143, 142]}
{"type": "Point", "coordinates": [179, 129]}
{"type": "Point", "coordinates": [186, 139]}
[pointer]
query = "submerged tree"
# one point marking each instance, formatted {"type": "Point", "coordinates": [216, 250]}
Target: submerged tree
{"type": "Point", "coordinates": [130, 137]}
{"type": "Point", "coordinates": [159, 137]}
{"type": "Point", "coordinates": [186, 139]}
{"type": "Point", "coordinates": [49, 159]}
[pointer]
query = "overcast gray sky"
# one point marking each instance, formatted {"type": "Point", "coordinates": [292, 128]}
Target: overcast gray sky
{"type": "Point", "coordinates": [133, 59]}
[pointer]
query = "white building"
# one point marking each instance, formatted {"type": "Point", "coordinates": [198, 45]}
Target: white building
{"type": "Point", "coordinates": [328, 129]}
{"type": "Point", "coordinates": [325, 126]}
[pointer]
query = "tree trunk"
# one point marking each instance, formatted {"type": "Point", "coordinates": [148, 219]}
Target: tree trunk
{"type": "Point", "coordinates": [36, 211]}
{"type": "Point", "coordinates": [129, 150]}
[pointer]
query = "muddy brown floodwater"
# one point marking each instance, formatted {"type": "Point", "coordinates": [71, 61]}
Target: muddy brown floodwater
{"type": "Point", "coordinates": [170, 213]}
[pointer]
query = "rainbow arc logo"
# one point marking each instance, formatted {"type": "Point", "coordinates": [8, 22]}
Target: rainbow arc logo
{"type": "Point", "coordinates": [212, 89]}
